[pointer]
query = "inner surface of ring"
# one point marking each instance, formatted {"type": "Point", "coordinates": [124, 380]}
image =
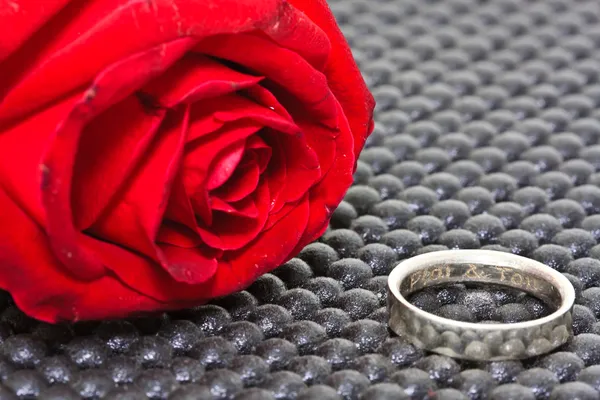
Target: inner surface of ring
{"type": "Point", "coordinates": [481, 274]}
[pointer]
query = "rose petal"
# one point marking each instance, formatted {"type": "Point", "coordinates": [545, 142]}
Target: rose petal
{"type": "Point", "coordinates": [235, 228]}
{"type": "Point", "coordinates": [197, 165]}
{"type": "Point", "coordinates": [282, 212]}
{"type": "Point", "coordinates": [238, 269]}
{"type": "Point", "coordinates": [196, 77]}
{"type": "Point", "coordinates": [176, 234]}
{"type": "Point", "coordinates": [144, 276]}
{"type": "Point", "coordinates": [31, 272]}
{"type": "Point", "coordinates": [238, 118]}
{"type": "Point", "coordinates": [241, 184]}
{"type": "Point", "coordinates": [193, 175]}
{"type": "Point", "coordinates": [287, 69]}
{"type": "Point", "coordinates": [234, 108]}
{"type": "Point", "coordinates": [110, 87]}
{"type": "Point", "coordinates": [302, 164]}
{"type": "Point", "coordinates": [190, 265]}
{"type": "Point", "coordinates": [180, 209]}
{"type": "Point", "coordinates": [264, 97]}
{"type": "Point", "coordinates": [260, 151]}
{"type": "Point", "coordinates": [211, 115]}
{"type": "Point", "coordinates": [36, 74]}
{"type": "Point", "coordinates": [321, 140]}
{"type": "Point", "coordinates": [293, 31]}
{"type": "Point", "coordinates": [81, 31]}
{"type": "Point", "coordinates": [225, 164]}
{"type": "Point", "coordinates": [134, 220]}
{"type": "Point", "coordinates": [247, 174]}
{"type": "Point", "coordinates": [109, 149]}
{"type": "Point", "coordinates": [276, 176]}
{"type": "Point", "coordinates": [245, 208]}
{"type": "Point", "coordinates": [22, 19]}
{"type": "Point", "coordinates": [42, 288]}
{"type": "Point", "coordinates": [21, 148]}
{"type": "Point", "coordinates": [111, 146]}
{"type": "Point", "coordinates": [326, 196]}
{"type": "Point", "coordinates": [343, 76]}
{"type": "Point", "coordinates": [198, 160]}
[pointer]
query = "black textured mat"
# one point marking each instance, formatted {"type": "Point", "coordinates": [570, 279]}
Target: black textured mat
{"type": "Point", "coordinates": [487, 136]}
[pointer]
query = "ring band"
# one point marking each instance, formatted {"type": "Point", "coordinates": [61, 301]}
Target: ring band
{"type": "Point", "coordinates": [477, 341]}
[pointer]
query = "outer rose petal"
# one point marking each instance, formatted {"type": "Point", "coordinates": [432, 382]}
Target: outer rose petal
{"type": "Point", "coordinates": [82, 33]}
{"type": "Point", "coordinates": [43, 289]}
{"type": "Point", "coordinates": [21, 19]}
{"type": "Point", "coordinates": [343, 75]}
{"type": "Point", "coordinates": [326, 196]}
{"type": "Point", "coordinates": [22, 146]}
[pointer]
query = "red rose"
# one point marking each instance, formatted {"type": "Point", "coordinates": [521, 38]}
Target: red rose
{"type": "Point", "coordinates": [156, 154]}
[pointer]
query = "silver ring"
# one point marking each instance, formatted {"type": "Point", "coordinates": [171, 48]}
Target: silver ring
{"type": "Point", "coordinates": [474, 341]}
